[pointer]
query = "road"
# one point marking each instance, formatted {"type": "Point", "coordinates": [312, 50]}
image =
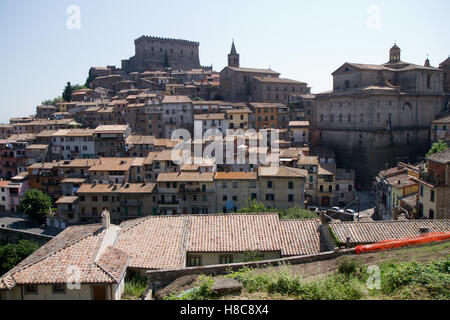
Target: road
{"type": "Point", "coordinates": [12, 221]}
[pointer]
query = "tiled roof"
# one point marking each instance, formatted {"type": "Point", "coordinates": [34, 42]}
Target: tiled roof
{"type": "Point", "coordinates": [282, 171]}
{"type": "Point", "coordinates": [117, 188]}
{"type": "Point", "coordinates": [441, 157]}
{"type": "Point", "coordinates": [375, 231]}
{"type": "Point", "coordinates": [298, 123]}
{"type": "Point", "coordinates": [159, 242]}
{"type": "Point", "coordinates": [136, 139]}
{"type": "Point", "coordinates": [233, 233]}
{"type": "Point", "coordinates": [66, 199]}
{"type": "Point", "coordinates": [210, 116]}
{"type": "Point", "coordinates": [300, 236]}
{"type": "Point", "coordinates": [401, 181]}
{"type": "Point", "coordinates": [185, 176]}
{"type": "Point", "coordinates": [77, 247]}
{"type": "Point", "coordinates": [116, 128]}
{"type": "Point", "coordinates": [154, 242]}
{"type": "Point", "coordinates": [278, 80]}
{"type": "Point", "coordinates": [176, 99]}
{"type": "Point", "coordinates": [254, 70]}
{"type": "Point", "coordinates": [235, 176]}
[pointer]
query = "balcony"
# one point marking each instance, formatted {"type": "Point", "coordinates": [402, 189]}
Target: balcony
{"type": "Point", "coordinates": [189, 189]}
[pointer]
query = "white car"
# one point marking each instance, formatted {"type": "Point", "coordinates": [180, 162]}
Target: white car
{"type": "Point", "coordinates": [337, 209]}
{"type": "Point", "coordinates": [351, 211]}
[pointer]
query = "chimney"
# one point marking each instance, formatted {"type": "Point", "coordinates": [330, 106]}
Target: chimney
{"type": "Point", "coordinates": [106, 221]}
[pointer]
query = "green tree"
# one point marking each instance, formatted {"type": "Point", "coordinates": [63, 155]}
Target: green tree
{"type": "Point", "coordinates": [12, 254]}
{"type": "Point", "coordinates": [50, 102]}
{"type": "Point", "coordinates": [437, 147]}
{"type": "Point", "coordinates": [67, 93]}
{"type": "Point", "coordinates": [254, 206]}
{"type": "Point", "coordinates": [78, 87]}
{"type": "Point", "coordinates": [37, 204]}
{"type": "Point", "coordinates": [89, 79]}
{"type": "Point", "coordinates": [166, 60]}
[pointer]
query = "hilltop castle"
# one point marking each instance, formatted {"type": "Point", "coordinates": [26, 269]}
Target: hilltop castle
{"type": "Point", "coordinates": [154, 53]}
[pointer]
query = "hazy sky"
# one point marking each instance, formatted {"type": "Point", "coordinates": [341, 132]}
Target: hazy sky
{"type": "Point", "coordinates": [303, 40]}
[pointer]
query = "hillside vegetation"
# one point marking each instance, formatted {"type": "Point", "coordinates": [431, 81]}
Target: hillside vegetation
{"type": "Point", "coordinates": [403, 277]}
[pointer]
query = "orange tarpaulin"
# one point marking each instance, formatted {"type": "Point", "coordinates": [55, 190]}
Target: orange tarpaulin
{"type": "Point", "coordinates": [396, 243]}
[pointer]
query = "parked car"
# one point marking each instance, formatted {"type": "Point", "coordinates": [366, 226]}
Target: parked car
{"type": "Point", "coordinates": [337, 209]}
{"type": "Point", "coordinates": [351, 211]}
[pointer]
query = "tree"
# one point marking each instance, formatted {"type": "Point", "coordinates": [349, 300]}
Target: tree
{"type": "Point", "coordinates": [37, 204]}
{"type": "Point", "coordinates": [12, 254]}
{"type": "Point", "coordinates": [254, 206]}
{"type": "Point", "coordinates": [50, 102]}
{"type": "Point", "coordinates": [437, 147]}
{"type": "Point", "coordinates": [67, 93]}
{"type": "Point", "coordinates": [78, 87]}
{"type": "Point", "coordinates": [89, 79]}
{"type": "Point", "coordinates": [166, 60]}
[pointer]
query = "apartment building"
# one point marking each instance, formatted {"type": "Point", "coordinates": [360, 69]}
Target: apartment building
{"type": "Point", "coordinates": [434, 187]}
{"type": "Point", "coordinates": [110, 140]}
{"type": "Point", "coordinates": [124, 201]}
{"type": "Point", "coordinates": [233, 190]}
{"type": "Point", "coordinates": [186, 192]}
{"type": "Point", "coordinates": [282, 187]}
{"type": "Point", "coordinates": [72, 144]}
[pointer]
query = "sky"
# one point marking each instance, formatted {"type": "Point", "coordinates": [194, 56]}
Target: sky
{"type": "Point", "coordinates": [45, 44]}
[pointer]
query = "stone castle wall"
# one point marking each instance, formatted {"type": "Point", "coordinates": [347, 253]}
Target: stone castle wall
{"type": "Point", "coordinates": [150, 53]}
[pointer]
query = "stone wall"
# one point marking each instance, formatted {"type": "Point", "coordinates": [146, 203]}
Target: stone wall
{"type": "Point", "coordinates": [160, 278]}
{"type": "Point", "coordinates": [13, 236]}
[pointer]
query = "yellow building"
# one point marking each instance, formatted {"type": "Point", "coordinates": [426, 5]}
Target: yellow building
{"type": "Point", "coordinates": [238, 118]}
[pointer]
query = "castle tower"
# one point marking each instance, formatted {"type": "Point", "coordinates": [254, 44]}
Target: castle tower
{"type": "Point", "coordinates": [233, 57]}
{"type": "Point", "coordinates": [394, 54]}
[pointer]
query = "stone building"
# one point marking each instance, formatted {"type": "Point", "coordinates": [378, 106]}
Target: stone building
{"type": "Point", "coordinates": [378, 113]}
{"type": "Point", "coordinates": [151, 53]}
{"type": "Point", "coordinates": [261, 85]}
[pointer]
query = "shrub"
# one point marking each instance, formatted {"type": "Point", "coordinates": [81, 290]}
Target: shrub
{"type": "Point", "coordinates": [348, 266]}
{"type": "Point", "coordinates": [135, 287]}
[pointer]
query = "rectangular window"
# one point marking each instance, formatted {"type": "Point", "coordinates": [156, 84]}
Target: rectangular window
{"type": "Point", "coordinates": [226, 259]}
{"type": "Point", "coordinates": [290, 185]}
{"type": "Point", "coordinates": [195, 261]}
{"type": "Point", "coordinates": [59, 288]}
{"type": "Point", "coordinates": [269, 184]}
{"type": "Point", "coordinates": [291, 198]}
{"type": "Point", "coordinates": [432, 196]}
{"type": "Point", "coordinates": [31, 289]}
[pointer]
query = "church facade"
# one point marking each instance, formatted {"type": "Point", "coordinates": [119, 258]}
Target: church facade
{"type": "Point", "coordinates": [378, 114]}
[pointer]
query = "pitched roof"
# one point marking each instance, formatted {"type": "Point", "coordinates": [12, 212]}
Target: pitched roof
{"type": "Point", "coordinates": [235, 176]}
{"type": "Point", "coordinates": [233, 233]}
{"type": "Point", "coordinates": [176, 99]}
{"type": "Point", "coordinates": [278, 80]}
{"type": "Point", "coordinates": [282, 171]}
{"type": "Point", "coordinates": [185, 177]}
{"type": "Point", "coordinates": [130, 188]}
{"type": "Point", "coordinates": [76, 246]}
{"type": "Point", "coordinates": [254, 70]}
{"type": "Point", "coordinates": [441, 157]}
{"type": "Point", "coordinates": [375, 231]}
{"type": "Point", "coordinates": [300, 236]}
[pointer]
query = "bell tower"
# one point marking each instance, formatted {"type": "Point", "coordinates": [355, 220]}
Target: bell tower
{"type": "Point", "coordinates": [394, 54]}
{"type": "Point", "coordinates": [233, 57]}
